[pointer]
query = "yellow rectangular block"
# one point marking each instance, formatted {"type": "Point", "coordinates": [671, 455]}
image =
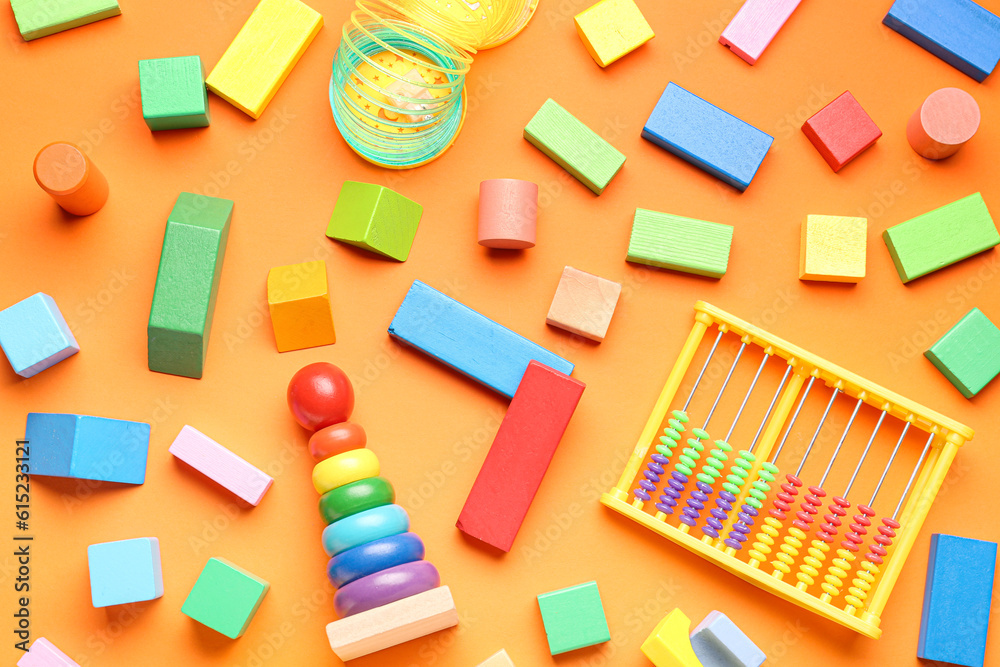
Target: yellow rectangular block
{"type": "Point", "coordinates": [612, 28]}
{"type": "Point", "coordinates": [833, 248]}
{"type": "Point", "coordinates": [266, 49]}
{"type": "Point", "coordinates": [299, 301]}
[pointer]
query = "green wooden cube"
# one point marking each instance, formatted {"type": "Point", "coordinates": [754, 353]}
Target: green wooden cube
{"type": "Point", "coordinates": [573, 618]}
{"type": "Point", "coordinates": [225, 597]}
{"type": "Point", "coordinates": [173, 93]}
{"type": "Point", "coordinates": [969, 354]}
{"type": "Point", "coordinates": [375, 218]}
{"type": "Point", "coordinates": [682, 244]}
{"type": "Point", "coordinates": [39, 18]}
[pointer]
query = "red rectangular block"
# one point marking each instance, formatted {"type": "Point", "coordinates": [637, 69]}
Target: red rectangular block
{"type": "Point", "coordinates": [524, 445]}
{"type": "Point", "coordinates": [841, 131]}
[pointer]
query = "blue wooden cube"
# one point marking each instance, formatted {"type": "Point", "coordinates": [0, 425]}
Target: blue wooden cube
{"type": "Point", "coordinates": [83, 447]}
{"type": "Point", "coordinates": [34, 335]}
{"type": "Point", "coordinates": [125, 571]}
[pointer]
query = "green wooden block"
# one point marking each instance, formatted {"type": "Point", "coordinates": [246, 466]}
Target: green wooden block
{"type": "Point", "coordinates": [969, 354]}
{"type": "Point", "coordinates": [173, 93]}
{"type": "Point", "coordinates": [682, 244]}
{"type": "Point", "coordinates": [375, 218]}
{"type": "Point", "coordinates": [942, 237]}
{"type": "Point", "coordinates": [225, 597]}
{"type": "Point", "coordinates": [194, 245]}
{"type": "Point", "coordinates": [573, 618]}
{"type": "Point", "coordinates": [38, 18]}
{"type": "Point", "coordinates": [574, 146]}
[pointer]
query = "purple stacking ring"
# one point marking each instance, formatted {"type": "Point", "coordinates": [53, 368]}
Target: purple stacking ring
{"type": "Point", "coordinates": [381, 588]}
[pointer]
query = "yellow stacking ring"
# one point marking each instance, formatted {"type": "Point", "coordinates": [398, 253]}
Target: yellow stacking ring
{"type": "Point", "coordinates": [344, 468]}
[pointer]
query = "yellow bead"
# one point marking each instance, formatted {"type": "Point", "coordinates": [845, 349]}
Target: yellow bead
{"type": "Point", "coordinates": [344, 469]}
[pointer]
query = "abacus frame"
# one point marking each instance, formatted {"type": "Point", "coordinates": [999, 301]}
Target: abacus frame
{"type": "Point", "coordinates": [949, 435]}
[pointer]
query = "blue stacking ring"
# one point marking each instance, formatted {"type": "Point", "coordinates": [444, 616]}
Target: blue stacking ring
{"type": "Point", "coordinates": [367, 526]}
{"type": "Point", "coordinates": [373, 557]}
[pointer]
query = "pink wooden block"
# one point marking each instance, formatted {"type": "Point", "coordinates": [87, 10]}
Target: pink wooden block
{"type": "Point", "coordinates": [43, 653]}
{"type": "Point", "coordinates": [508, 210]}
{"type": "Point", "coordinates": [220, 465]}
{"type": "Point", "coordinates": [755, 25]}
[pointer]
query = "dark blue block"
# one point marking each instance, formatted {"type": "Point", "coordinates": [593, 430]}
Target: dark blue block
{"type": "Point", "coordinates": [959, 32]}
{"type": "Point", "coordinates": [957, 598]}
{"type": "Point", "coordinates": [707, 137]}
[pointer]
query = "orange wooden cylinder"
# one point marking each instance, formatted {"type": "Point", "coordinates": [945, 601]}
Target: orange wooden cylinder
{"type": "Point", "coordinates": [68, 175]}
{"type": "Point", "coordinates": [947, 119]}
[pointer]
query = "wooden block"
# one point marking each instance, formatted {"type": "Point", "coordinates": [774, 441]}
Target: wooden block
{"type": "Point", "coordinates": [34, 335]}
{"type": "Point", "coordinates": [969, 353]}
{"type": "Point", "coordinates": [519, 456]}
{"type": "Point", "coordinates": [70, 178]}
{"type": "Point", "coordinates": [470, 343]}
{"type": "Point", "coordinates": [498, 659]}
{"type": "Point", "coordinates": [678, 243]}
{"type": "Point", "coordinates": [573, 618]}
{"type": "Point", "coordinates": [43, 653]}
{"type": "Point", "coordinates": [187, 283]}
{"type": "Point", "coordinates": [508, 211]}
{"type": "Point", "coordinates": [39, 18]}
{"type": "Point", "coordinates": [841, 131]}
{"type": "Point", "coordinates": [957, 596]}
{"type": "Point", "coordinates": [375, 218]}
{"type": "Point", "coordinates": [221, 465]}
{"type": "Point", "coordinates": [125, 571]}
{"type": "Point", "coordinates": [719, 643]}
{"type": "Point", "coordinates": [83, 447]}
{"type": "Point", "coordinates": [263, 54]}
{"type": "Point", "coordinates": [941, 237]}
{"type": "Point", "coordinates": [755, 25]}
{"type": "Point", "coordinates": [669, 644]}
{"type": "Point", "coordinates": [959, 32]}
{"type": "Point", "coordinates": [225, 597]}
{"type": "Point", "coordinates": [373, 630]}
{"type": "Point", "coordinates": [584, 304]}
{"type": "Point", "coordinates": [707, 137]}
{"type": "Point", "coordinates": [574, 146]}
{"type": "Point", "coordinates": [611, 29]}
{"type": "Point", "coordinates": [173, 93]}
{"type": "Point", "coordinates": [833, 248]}
{"type": "Point", "coordinates": [947, 119]}
{"type": "Point", "coordinates": [299, 301]}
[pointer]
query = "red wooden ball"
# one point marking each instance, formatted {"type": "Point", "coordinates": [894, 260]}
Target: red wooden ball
{"type": "Point", "coordinates": [320, 395]}
{"type": "Point", "coordinates": [337, 439]}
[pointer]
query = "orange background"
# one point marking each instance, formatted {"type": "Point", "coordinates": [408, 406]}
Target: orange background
{"type": "Point", "coordinates": [432, 427]}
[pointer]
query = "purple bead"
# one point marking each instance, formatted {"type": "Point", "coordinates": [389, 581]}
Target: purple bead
{"type": "Point", "coordinates": [714, 523]}
{"type": "Point", "coordinates": [688, 520]}
{"type": "Point", "coordinates": [699, 496]}
{"type": "Point", "coordinates": [704, 488]}
{"type": "Point", "coordinates": [740, 528]}
{"type": "Point", "coordinates": [661, 459]}
{"type": "Point", "coordinates": [719, 514]}
{"type": "Point", "coordinates": [663, 507]}
{"type": "Point", "coordinates": [641, 495]}
{"type": "Point", "coordinates": [646, 484]}
{"type": "Point", "coordinates": [728, 497]}
{"type": "Point", "coordinates": [710, 530]}
{"type": "Point", "coordinates": [384, 587]}
{"type": "Point", "coordinates": [679, 477]}
{"type": "Point", "coordinates": [733, 543]}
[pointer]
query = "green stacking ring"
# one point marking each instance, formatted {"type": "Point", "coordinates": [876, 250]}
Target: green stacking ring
{"type": "Point", "coordinates": [355, 497]}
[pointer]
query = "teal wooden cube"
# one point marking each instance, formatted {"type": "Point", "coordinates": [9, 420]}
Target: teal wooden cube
{"type": "Point", "coordinates": [173, 93]}
{"type": "Point", "coordinates": [969, 354]}
{"type": "Point", "coordinates": [225, 597]}
{"type": "Point", "coordinates": [573, 618]}
{"type": "Point", "coordinates": [375, 218]}
{"type": "Point", "coordinates": [125, 571]}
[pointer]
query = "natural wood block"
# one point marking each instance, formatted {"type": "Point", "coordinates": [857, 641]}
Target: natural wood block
{"type": "Point", "coordinates": [34, 335]}
{"type": "Point", "coordinates": [841, 131]}
{"type": "Point", "coordinates": [946, 120]}
{"type": "Point", "coordinates": [498, 659]}
{"type": "Point", "coordinates": [942, 237]}
{"type": "Point", "coordinates": [125, 571]}
{"type": "Point", "coordinates": [678, 243]}
{"type": "Point", "coordinates": [70, 178]}
{"type": "Point", "coordinates": [225, 597]}
{"type": "Point", "coordinates": [375, 218]}
{"type": "Point", "coordinates": [38, 18]}
{"type": "Point", "coordinates": [299, 301]}
{"type": "Point", "coordinates": [85, 447]}
{"type": "Point", "coordinates": [755, 25]}
{"type": "Point", "coordinates": [969, 353]}
{"type": "Point", "coordinates": [43, 653]}
{"type": "Point", "coordinates": [574, 146]}
{"type": "Point", "coordinates": [263, 54]}
{"type": "Point", "coordinates": [573, 618]}
{"type": "Point", "coordinates": [221, 465]}
{"type": "Point", "coordinates": [508, 210]}
{"type": "Point", "coordinates": [612, 28]}
{"type": "Point", "coordinates": [173, 93]}
{"type": "Point", "coordinates": [833, 248]}
{"type": "Point", "coordinates": [584, 304]}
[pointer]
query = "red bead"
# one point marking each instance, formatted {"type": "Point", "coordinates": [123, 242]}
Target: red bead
{"type": "Point", "coordinates": [320, 395]}
{"type": "Point", "coordinates": [337, 439]}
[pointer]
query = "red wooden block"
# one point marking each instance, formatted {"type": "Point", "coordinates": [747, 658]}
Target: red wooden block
{"type": "Point", "coordinates": [841, 130]}
{"type": "Point", "coordinates": [520, 455]}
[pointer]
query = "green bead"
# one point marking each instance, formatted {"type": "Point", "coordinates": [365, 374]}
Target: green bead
{"type": "Point", "coordinates": [365, 494]}
{"type": "Point", "coordinates": [680, 415]}
{"type": "Point", "coordinates": [700, 433]}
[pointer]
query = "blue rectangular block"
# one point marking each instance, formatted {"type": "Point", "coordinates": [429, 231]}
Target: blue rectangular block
{"type": "Point", "coordinates": [472, 344]}
{"type": "Point", "coordinates": [125, 571]}
{"type": "Point", "coordinates": [83, 447]}
{"type": "Point", "coordinates": [957, 597]}
{"type": "Point", "coordinates": [34, 335]}
{"type": "Point", "coordinates": [707, 137]}
{"type": "Point", "coordinates": [959, 32]}
{"type": "Point", "coordinates": [718, 642]}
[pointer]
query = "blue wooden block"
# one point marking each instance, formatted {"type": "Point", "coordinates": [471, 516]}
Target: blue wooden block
{"type": "Point", "coordinates": [957, 598]}
{"type": "Point", "coordinates": [719, 643]}
{"type": "Point", "coordinates": [959, 32]}
{"type": "Point", "coordinates": [707, 137]}
{"type": "Point", "coordinates": [34, 335]}
{"type": "Point", "coordinates": [125, 571]}
{"type": "Point", "coordinates": [82, 447]}
{"type": "Point", "coordinates": [472, 344]}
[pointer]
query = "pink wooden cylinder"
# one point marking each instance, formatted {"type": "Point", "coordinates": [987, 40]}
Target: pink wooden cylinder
{"type": "Point", "coordinates": [944, 122]}
{"type": "Point", "coordinates": [508, 210]}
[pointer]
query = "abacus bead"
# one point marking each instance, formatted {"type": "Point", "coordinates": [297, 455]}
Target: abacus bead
{"type": "Point", "coordinates": [386, 586]}
{"type": "Point", "coordinates": [344, 468]}
{"type": "Point", "coordinates": [374, 557]}
{"type": "Point", "coordinates": [337, 439]}
{"type": "Point", "coordinates": [367, 526]}
{"type": "Point", "coordinates": [355, 497]}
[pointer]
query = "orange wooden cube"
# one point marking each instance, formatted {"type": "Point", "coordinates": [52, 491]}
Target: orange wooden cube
{"type": "Point", "coordinates": [299, 301]}
{"type": "Point", "coordinates": [584, 304]}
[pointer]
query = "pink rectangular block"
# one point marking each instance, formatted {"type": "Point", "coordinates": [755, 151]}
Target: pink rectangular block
{"type": "Point", "coordinates": [220, 465]}
{"type": "Point", "coordinates": [43, 653]}
{"type": "Point", "coordinates": [755, 25]}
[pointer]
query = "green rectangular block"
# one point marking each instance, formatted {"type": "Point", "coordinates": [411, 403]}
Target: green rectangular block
{"type": "Point", "coordinates": [375, 218]}
{"type": "Point", "coordinates": [942, 237]}
{"type": "Point", "coordinates": [678, 243]}
{"type": "Point", "coordinates": [574, 146]}
{"type": "Point", "coordinates": [39, 18]}
{"type": "Point", "coordinates": [225, 597]}
{"type": "Point", "coordinates": [173, 93]}
{"type": "Point", "coordinates": [180, 320]}
{"type": "Point", "coordinates": [969, 354]}
{"type": "Point", "coordinates": [573, 618]}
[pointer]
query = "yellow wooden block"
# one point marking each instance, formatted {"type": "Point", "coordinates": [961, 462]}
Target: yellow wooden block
{"type": "Point", "coordinates": [833, 248]}
{"type": "Point", "coordinates": [299, 301]}
{"type": "Point", "coordinates": [669, 644]}
{"type": "Point", "coordinates": [263, 53]}
{"type": "Point", "coordinates": [612, 28]}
